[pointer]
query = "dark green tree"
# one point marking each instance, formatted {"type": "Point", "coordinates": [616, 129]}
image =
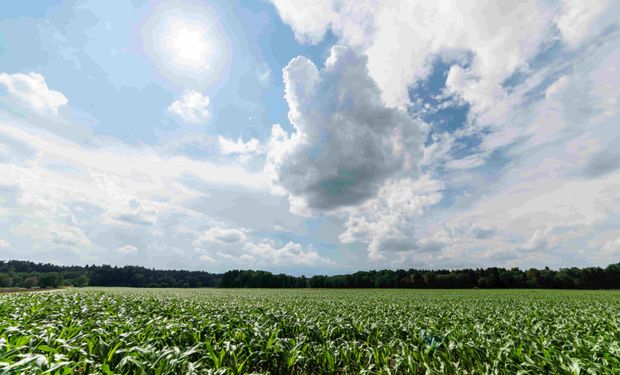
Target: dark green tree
{"type": "Point", "coordinates": [30, 282]}
{"type": "Point", "coordinates": [5, 280]}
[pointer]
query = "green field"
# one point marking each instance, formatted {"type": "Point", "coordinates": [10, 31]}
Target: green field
{"type": "Point", "coordinates": [216, 331]}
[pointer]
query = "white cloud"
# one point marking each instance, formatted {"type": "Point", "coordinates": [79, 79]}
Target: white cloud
{"type": "Point", "coordinates": [68, 197]}
{"type": "Point", "coordinates": [4, 244]}
{"type": "Point", "coordinates": [231, 247]}
{"type": "Point", "coordinates": [386, 223]}
{"type": "Point", "coordinates": [401, 38]}
{"type": "Point", "coordinates": [310, 19]}
{"type": "Point", "coordinates": [544, 175]}
{"type": "Point", "coordinates": [479, 232]}
{"type": "Point", "coordinates": [556, 87]}
{"type": "Point", "coordinates": [239, 147]}
{"type": "Point", "coordinates": [532, 175]}
{"type": "Point", "coordinates": [468, 162]}
{"type": "Point", "coordinates": [346, 143]}
{"type": "Point", "coordinates": [611, 248]}
{"type": "Point", "coordinates": [542, 209]}
{"type": "Point", "coordinates": [266, 253]}
{"type": "Point", "coordinates": [127, 249]}
{"type": "Point", "coordinates": [123, 171]}
{"type": "Point", "coordinates": [225, 236]}
{"type": "Point", "coordinates": [207, 259]}
{"type": "Point", "coordinates": [538, 241]}
{"type": "Point", "coordinates": [69, 236]}
{"type": "Point", "coordinates": [577, 18]}
{"type": "Point", "coordinates": [137, 213]}
{"type": "Point", "coordinates": [255, 253]}
{"type": "Point", "coordinates": [192, 107]}
{"type": "Point", "coordinates": [264, 75]}
{"type": "Point", "coordinates": [32, 90]}
{"type": "Point", "coordinates": [39, 215]}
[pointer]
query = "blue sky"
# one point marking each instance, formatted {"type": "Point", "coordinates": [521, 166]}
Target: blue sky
{"type": "Point", "coordinates": [310, 137]}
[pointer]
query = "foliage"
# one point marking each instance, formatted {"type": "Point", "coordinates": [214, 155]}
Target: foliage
{"type": "Point", "coordinates": [565, 278]}
{"type": "Point", "coordinates": [15, 273]}
{"type": "Point", "coordinates": [5, 281]}
{"type": "Point", "coordinates": [30, 282]}
{"type": "Point", "coordinates": [50, 280]}
{"type": "Point", "coordinates": [18, 271]}
{"type": "Point", "coordinates": [82, 280]}
{"type": "Point", "coordinates": [217, 331]}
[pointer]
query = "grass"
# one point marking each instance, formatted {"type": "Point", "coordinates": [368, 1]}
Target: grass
{"type": "Point", "coordinates": [215, 331]}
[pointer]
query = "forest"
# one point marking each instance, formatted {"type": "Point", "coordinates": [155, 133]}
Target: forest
{"type": "Point", "coordinates": [25, 274]}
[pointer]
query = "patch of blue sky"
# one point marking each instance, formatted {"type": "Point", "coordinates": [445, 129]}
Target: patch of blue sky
{"type": "Point", "coordinates": [275, 43]}
{"type": "Point", "coordinates": [466, 145]}
{"type": "Point", "coordinates": [14, 9]}
{"type": "Point", "coordinates": [442, 112]}
{"type": "Point", "coordinates": [126, 112]}
{"type": "Point", "coordinates": [100, 48]}
{"type": "Point", "coordinates": [30, 50]}
{"type": "Point", "coordinates": [251, 99]}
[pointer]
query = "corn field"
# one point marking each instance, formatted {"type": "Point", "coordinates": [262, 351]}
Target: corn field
{"type": "Point", "coordinates": [217, 331]}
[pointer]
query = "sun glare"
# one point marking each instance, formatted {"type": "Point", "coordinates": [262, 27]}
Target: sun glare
{"type": "Point", "coordinates": [185, 42]}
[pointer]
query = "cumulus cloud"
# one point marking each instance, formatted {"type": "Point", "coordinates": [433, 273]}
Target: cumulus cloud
{"type": "Point", "coordinates": [346, 142]}
{"type": "Point", "coordinates": [253, 253]}
{"type": "Point", "coordinates": [309, 19]}
{"type": "Point", "coordinates": [244, 151]}
{"type": "Point", "coordinates": [192, 107]}
{"type": "Point", "coordinates": [534, 163]}
{"type": "Point", "coordinates": [386, 223]}
{"type": "Point", "coordinates": [529, 174]}
{"type": "Point", "coordinates": [222, 236]}
{"type": "Point", "coordinates": [289, 254]}
{"type": "Point", "coordinates": [236, 247]}
{"type": "Point", "coordinates": [401, 38]}
{"type": "Point", "coordinates": [127, 249]}
{"type": "Point", "coordinates": [32, 91]}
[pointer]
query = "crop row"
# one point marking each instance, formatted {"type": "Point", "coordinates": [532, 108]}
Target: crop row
{"type": "Point", "coordinates": [310, 332]}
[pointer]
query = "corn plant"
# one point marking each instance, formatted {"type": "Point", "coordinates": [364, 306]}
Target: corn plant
{"type": "Point", "coordinates": [216, 331]}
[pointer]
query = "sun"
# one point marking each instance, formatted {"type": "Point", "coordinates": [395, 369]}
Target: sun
{"type": "Point", "coordinates": [186, 44]}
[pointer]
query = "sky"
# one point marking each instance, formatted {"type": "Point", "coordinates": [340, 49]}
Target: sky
{"type": "Point", "coordinates": [310, 136]}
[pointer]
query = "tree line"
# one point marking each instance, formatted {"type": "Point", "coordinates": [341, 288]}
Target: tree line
{"type": "Point", "coordinates": [24, 274]}
{"type": "Point", "coordinates": [494, 277]}
{"type": "Point", "coordinates": [29, 274]}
